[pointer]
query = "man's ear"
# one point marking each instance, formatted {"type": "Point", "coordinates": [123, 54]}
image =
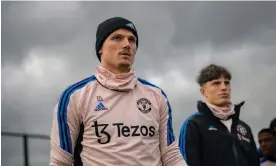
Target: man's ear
{"type": "Point", "coordinates": [203, 90]}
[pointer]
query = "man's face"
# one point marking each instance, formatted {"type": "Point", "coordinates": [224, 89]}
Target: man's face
{"type": "Point", "coordinates": [118, 51]}
{"type": "Point", "coordinates": [217, 92]}
{"type": "Point", "coordinates": [267, 144]}
{"type": "Point", "coordinates": [273, 128]}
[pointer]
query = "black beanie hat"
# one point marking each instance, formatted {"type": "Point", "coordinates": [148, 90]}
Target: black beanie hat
{"type": "Point", "coordinates": [109, 26]}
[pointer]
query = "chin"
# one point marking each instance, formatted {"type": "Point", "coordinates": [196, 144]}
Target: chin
{"type": "Point", "coordinates": [124, 65]}
{"type": "Point", "coordinates": [225, 102]}
{"type": "Point", "coordinates": [222, 102]}
{"type": "Point", "coordinates": [125, 62]}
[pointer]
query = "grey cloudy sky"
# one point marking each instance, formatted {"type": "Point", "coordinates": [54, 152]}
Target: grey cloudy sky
{"type": "Point", "coordinates": [47, 46]}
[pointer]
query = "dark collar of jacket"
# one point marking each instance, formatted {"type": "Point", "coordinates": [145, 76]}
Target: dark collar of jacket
{"type": "Point", "coordinates": [203, 108]}
{"type": "Point", "coordinates": [271, 158]}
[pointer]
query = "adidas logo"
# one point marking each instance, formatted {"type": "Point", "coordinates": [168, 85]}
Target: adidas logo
{"type": "Point", "coordinates": [100, 107]}
{"type": "Point", "coordinates": [212, 128]}
{"type": "Point", "coordinates": [130, 25]}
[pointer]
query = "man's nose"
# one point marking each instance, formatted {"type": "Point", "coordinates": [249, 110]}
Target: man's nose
{"type": "Point", "coordinates": [223, 86]}
{"type": "Point", "coordinates": [262, 143]}
{"type": "Point", "coordinates": [126, 43]}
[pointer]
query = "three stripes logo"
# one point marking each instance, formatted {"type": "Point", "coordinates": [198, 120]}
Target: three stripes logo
{"type": "Point", "coordinates": [130, 25]}
{"type": "Point", "coordinates": [212, 128]}
{"type": "Point", "coordinates": [100, 106]}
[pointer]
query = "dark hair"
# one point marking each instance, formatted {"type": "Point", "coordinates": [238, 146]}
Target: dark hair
{"type": "Point", "coordinates": [212, 72]}
{"type": "Point", "coordinates": [264, 130]}
{"type": "Point", "coordinates": [272, 124]}
{"type": "Point", "coordinates": [267, 130]}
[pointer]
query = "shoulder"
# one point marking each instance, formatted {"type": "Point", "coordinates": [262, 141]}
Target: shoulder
{"type": "Point", "coordinates": [242, 123]}
{"type": "Point", "coordinates": [150, 87]}
{"type": "Point", "coordinates": [194, 118]}
{"type": "Point", "coordinates": [78, 87]}
{"type": "Point", "coordinates": [263, 160]}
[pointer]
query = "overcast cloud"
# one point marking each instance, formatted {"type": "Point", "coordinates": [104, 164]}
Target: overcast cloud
{"type": "Point", "coordinates": [47, 46]}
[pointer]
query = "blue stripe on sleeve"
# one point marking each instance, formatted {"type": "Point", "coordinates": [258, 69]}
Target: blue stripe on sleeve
{"type": "Point", "coordinates": [182, 137]}
{"type": "Point", "coordinates": [64, 131]}
{"type": "Point", "coordinates": [170, 135]}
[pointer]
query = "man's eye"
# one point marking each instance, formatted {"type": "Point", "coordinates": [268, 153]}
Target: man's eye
{"type": "Point", "coordinates": [116, 38]}
{"type": "Point", "coordinates": [216, 83]}
{"type": "Point", "coordinates": [132, 40]}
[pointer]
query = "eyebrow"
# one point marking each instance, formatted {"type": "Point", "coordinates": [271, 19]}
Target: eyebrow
{"type": "Point", "coordinates": [220, 81]}
{"type": "Point", "coordinates": [133, 37]}
{"type": "Point", "coordinates": [119, 34]}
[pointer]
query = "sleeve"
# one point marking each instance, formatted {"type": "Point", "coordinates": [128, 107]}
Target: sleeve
{"type": "Point", "coordinates": [189, 143]}
{"type": "Point", "coordinates": [256, 162]}
{"type": "Point", "coordinates": [170, 153]}
{"type": "Point", "coordinates": [65, 129]}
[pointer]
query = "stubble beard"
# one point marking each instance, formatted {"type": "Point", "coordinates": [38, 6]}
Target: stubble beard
{"type": "Point", "coordinates": [124, 66]}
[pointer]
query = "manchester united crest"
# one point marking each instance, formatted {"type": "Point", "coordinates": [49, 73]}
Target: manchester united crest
{"type": "Point", "coordinates": [144, 105]}
{"type": "Point", "coordinates": [241, 130]}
